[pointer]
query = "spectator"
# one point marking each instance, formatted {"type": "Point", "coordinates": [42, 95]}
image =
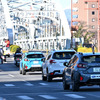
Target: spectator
{"type": "Point", "coordinates": [7, 44]}
{"type": "Point", "coordinates": [93, 48]}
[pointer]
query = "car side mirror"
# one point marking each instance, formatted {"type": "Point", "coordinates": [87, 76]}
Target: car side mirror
{"type": "Point", "coordinates": [65, 64]}
{"type": "Point", "coordinates": [43, 59]}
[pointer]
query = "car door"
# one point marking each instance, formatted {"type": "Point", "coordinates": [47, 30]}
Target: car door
{"type": "Point", "coordinates": [46, 64]}
{"type": "Point", "coordinates": [71, 65]}
{"type": "Point", "coordinates": [21, 62]}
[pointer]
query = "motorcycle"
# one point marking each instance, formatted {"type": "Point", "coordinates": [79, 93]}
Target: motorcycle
{"type": "Point", "coordinates": [17, 59]}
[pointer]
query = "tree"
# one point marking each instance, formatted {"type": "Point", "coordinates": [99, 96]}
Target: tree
{"type": "Point", "coordinates": [88, 37]}
{"type": "Point", "coordinates": [82, 31]}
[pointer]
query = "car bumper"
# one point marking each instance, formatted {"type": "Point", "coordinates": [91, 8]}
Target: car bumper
{"type": "Point", "coordinates": [56, 73]}
{"type": "Point", "coordinates": [90, 79]}
{"type": "Point", "coordinates": [33, 68]}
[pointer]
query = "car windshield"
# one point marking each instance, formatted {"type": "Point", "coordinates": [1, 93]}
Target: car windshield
{"type": "Point", "coordinates": [91, 59]}
{"type": "Point", "coordinates": [63, 55]}
{"type": "Point", "coordinates": [35, 56]}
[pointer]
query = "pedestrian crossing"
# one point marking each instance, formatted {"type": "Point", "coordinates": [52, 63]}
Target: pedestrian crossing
{"type": "Point", "coordinates": [26, 83]}
{"type": "Point", "coordinates": [25, 97]}
{"type": "Point", "coordinates": [47, 97]}
{"type": "Point", "coordinates": [74, 96]}
{"type": "Point", "coordinates": [42, 96]}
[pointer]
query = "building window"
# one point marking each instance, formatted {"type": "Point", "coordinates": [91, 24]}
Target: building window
{"type": "Point", "coordinates": [75, 9]}
{"type": "Point", "coordinates": [93, 13]}
{"type": "Point", "coordinates": [93, 5]}
{"type": "Point", "coordinates": [93, 19]}
{"type": "Point", "coordinates": [93, 27]}
{"type": "Point", "coordinates": [75, 16]}
{"type": "Point", "coordinates": [86, 2]}
{"type": "Point", "coordinates": [75, 1]}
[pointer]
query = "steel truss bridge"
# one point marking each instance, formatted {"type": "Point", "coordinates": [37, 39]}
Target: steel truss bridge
{"type": "Point", "coordinates": [34, 24]}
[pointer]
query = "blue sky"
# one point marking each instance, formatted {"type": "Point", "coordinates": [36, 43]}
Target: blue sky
{"type": "Point", "coordinates": [64, 3]}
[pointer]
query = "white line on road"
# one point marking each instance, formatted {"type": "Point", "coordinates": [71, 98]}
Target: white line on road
{"type": "Point", "coordinates": [29, 84]}
{"type": "Point", "coordinates": [43, 83]}
{"type": "Point", "coordinates": [2, 98]}
{"type": "Point", "coordinates": [25, 98]}
{"type": "Point", "coordinates": [11, 75]}
{"type": "Point", "coordinates": [74, 96]}
{"type": "Point", "coordinates": [47, 97]}
{"type": "Point", "coordinates": [94, 95]}
{"type": "Point", "coordinates": [9, 85]}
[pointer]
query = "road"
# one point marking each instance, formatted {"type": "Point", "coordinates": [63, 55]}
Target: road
{"type": "Point", "coordinates": [14, 86]}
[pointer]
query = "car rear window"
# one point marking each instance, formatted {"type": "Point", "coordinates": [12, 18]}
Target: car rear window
{"type": "Point", "coordinates": [91, 59]}
{"type": "Point", "coordinates": [63, 55]}
{"type": "Point", "coordinates": [35, 56]}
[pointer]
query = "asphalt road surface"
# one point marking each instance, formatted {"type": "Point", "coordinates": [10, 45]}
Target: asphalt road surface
{"type": "Point", "coordinates": [14, 86]}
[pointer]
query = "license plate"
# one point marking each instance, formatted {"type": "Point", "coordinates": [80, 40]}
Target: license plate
{"type": "Point", "coordinates": [95, 76]}
{"type": "Point", "coordinates": [35, 62]}
{"type": "Point", "coordinates": [96, 69]}
{"type": "Point", "coordinates": [36, 66]}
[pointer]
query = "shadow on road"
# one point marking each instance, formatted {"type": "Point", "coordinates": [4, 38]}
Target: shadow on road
{"type": "Point", "coordinates": [90, 89]}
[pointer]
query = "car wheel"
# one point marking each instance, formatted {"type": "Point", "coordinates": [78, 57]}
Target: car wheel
{"type": "Point", "coordinates": [16, 63]}
{"type": "Point", "coordinates": [1, 61]}
{"type": "Point", "coordinates": [23, 71]}
{"type": "Point", "coordinates": [65, 85]}
{"type": "Point", "coordinates": [20, 71]}
{"type": "Point", "coordinates": [49, 78]}
{"type": "Point", "coordinates": [75, 82]}
{"type": "Point", "coordinates": [75, 86]}
{"type": "Point", "coordinates": [8, 55]}
{"type": "Point", "coordinates": [43, 77]}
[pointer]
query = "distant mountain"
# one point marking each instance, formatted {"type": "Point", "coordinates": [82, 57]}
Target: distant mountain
{"type": "Point", "coordinates": [68, 15]}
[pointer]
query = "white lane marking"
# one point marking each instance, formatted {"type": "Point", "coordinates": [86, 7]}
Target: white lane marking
{"type": "Point", "coordinates": [11, 75]}
{"type": "Point", "coordinates": [47, 97]}
{"type": "Point", "coordinates": [2, 98]}
{"type": "Point", "coordinates": [9, 85]}
{"type": "Point", "coordinates": [29, 84]}
{"type": "Point", "coordinates": [74, 96]}
{"type": "Point", "coordinates": [43, 83]}
{"type": "Point", "coordinates": [25, 98]}
{"type": "Point", "coordinates": [94, 95]}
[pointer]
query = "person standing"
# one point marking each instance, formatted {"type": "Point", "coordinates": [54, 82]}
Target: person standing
{"type": "Point", "coordinates": [7, 44]}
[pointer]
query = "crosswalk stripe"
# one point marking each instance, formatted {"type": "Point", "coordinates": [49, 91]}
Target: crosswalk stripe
{"type": "Point", "coordinates": [2, 98]}
{"type": "Point", "coordinates": [74, 96]}
{"type": "Point", "coordinates": [9, 85]}
{"type": "Point", "coordinates": [47, 97]}
{"type": "Point", "coordinates": [11, 75]}
{"type": "Point", "coordinates": [43, 83]}
{"type": "Point", "coordinates": [29, 84]}
{"type": "Point", "coordinates": [25, 97]}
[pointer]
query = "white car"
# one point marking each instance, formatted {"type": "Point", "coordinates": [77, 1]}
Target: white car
{"type": "Point", "coordinates": [53, 64]}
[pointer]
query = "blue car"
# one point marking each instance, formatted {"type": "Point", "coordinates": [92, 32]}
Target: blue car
{"type": "Point", "coordinates": [31, 61]}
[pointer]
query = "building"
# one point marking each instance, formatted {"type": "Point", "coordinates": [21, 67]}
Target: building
{"type": "Point", "coordinates": [3, 31]}
{"type": "Point", "coordinates": [87, 11]}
